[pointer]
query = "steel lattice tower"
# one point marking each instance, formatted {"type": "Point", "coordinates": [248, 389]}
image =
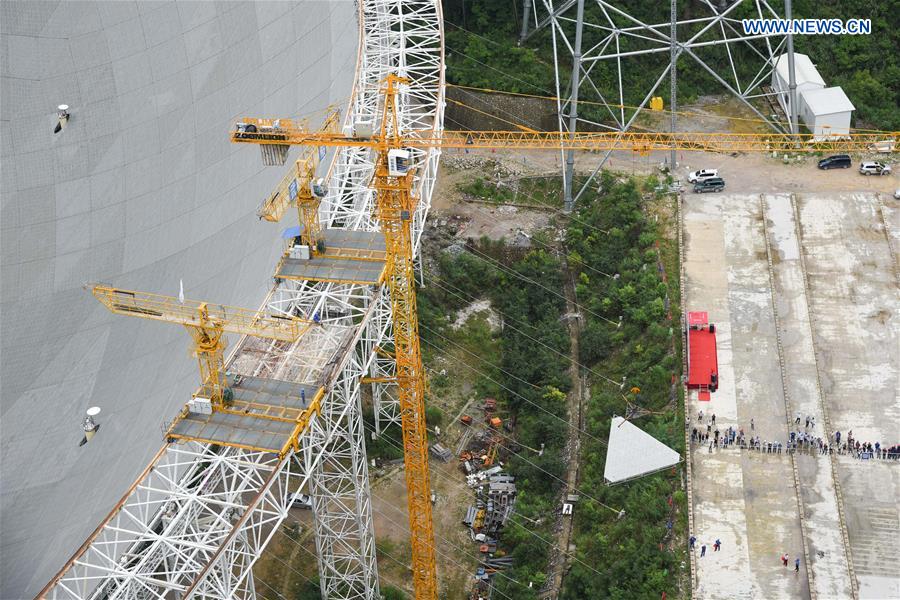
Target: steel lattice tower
{"type": "Point", "coordinates": [619, 41]}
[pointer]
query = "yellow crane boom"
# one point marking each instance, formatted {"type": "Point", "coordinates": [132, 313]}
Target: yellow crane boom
{"type": "Point", "coordinates": [291, 133]}
{"type": "Point", "coordinates": [395, 206]}
{"type": "Point", "coordinates": [206, 322]}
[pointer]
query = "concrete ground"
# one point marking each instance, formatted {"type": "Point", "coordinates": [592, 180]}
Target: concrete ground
{"type": "Point", "coordinates": [849, 245]}
{"type": "Point", "coordinates": [744, 499]}
{"type": "Point", "coordinates": [813, 331]}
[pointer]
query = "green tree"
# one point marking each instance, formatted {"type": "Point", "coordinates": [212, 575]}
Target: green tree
{"type": "Point", "coordinates": [390, 592]}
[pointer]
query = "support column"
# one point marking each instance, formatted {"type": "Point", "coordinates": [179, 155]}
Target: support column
{"type": "Point", "coordinates": [526, 14]}
{"type": "Point", "coordinates": [385, 402]}
{"type": "Point", "coordinates": [673, 79]}
{"type": "Point", "coordinates": [573, 108]}
{"type": "Point", "coordinates": [792, 79]}
{"type": "Point", "coordinates": [342, 508]}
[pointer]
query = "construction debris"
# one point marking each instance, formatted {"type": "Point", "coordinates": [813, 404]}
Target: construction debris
{"type": "Point", "coordinates": [441, 452]}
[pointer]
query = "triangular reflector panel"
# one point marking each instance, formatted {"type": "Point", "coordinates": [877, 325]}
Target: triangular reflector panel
{"type": "Point", "coordinates": [632, 453]}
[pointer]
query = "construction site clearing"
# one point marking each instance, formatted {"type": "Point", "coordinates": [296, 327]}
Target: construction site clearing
{"type": "Point", "coordinates": [846, 253]}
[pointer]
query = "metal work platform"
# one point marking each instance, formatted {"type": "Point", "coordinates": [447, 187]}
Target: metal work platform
{"type": "Point", "coordinates": [279, 398]}
{"type": "Point", "coordinates": [350, 257]}
{"type": "Point", "coordinates": [264, 414]}
{"type": "Point", "coordinates": [334, 270]}
{"type": "Point", "coordinates": [351, 243]}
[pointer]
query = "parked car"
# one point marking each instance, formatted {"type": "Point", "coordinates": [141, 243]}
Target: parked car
{"type": "Point", "coordinates": [301, 501]}
{"type": "Point", "coordinates": [874, 168]}
{"type": "Point", "coordinates": [714, 184]}
{"type": "Point", "coordinates": [695, 176]}
{"type": "Point", "coordinates": [897, 193]}
{"type": "Point", "coordinates": [838, 161]}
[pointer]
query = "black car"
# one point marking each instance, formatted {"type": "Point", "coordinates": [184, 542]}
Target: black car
{"type": "Point", "coordinates": [838, 161]}
{"type": "Point", "coordinates": [713, 184]}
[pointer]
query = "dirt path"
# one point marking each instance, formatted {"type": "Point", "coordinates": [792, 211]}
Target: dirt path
{"type": "Point", "coordinates": [288, 580]}
{"type": "Point", "coordinates": [574, 405]}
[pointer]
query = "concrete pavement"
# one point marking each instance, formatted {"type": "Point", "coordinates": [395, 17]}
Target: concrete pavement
{"type": "Point", "coordinates": [803, 291]}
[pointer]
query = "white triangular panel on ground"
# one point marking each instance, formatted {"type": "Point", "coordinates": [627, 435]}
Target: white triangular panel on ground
{"type": "Point", "coordinates": [633, 452]}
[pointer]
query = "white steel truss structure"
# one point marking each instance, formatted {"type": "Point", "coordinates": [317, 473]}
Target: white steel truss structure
{"type": "Point", "coordinates": [404, 38]}
{"type": "Point", "coordinates": [199, 516]}
{"type": "Point", "coordinates": [596, 42]}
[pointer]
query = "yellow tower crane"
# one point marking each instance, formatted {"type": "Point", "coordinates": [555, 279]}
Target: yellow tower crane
{"type": "Point", "coordinates": [207, 323]}
{"type": "Point", "coordinates": [395, 206]}
{"type": "Point", "coordinates": [299, 186]}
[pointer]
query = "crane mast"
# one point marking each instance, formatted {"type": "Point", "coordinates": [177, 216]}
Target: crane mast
{"type": "Point", "coordinates": [395, 208]}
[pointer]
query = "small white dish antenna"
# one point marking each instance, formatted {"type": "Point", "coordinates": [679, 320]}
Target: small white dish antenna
{"type": "Point", "coordinates": [93, 411]}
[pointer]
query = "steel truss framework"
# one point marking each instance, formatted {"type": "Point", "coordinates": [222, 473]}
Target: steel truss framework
{"type": "Point", "coordinates": [613, 45]}
{"type": "Point", "coordinates": [406, 39]}
{"type": "Point", "coordinates": [199, 516]}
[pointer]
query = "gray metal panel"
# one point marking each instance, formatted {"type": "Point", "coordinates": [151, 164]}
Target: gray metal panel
{"type": "Point", "coordinates": [273, 392]}
{"type": "Point", "coordinates": [355, 240]}
{"type": "Point", "coordinates": [140, 190]}
{"type": "Point", "coordinates": [236, 429]}
{"type": "Point", "coordinates": [331, 269]}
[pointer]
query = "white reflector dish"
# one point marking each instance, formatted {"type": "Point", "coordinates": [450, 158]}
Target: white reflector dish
{"type": "Point", "coordinates": [633, 453]}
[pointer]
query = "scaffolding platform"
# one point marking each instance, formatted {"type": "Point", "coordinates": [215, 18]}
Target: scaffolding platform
{"type": "Point", "coordinates": [350, 257]}
{"type": "Point", "coordinates": [263, 414]}
{"type": "Point", "coordinates": [350, 243]}
{"type": "Point", "coordinates": [334, 270]}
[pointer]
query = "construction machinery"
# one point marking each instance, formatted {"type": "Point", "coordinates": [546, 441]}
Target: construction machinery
{"type": "Point", "coordinates": [300, 187]}
{"type": "Point", "coordinates": [207, 323]}
{"type": "Point", "coordinates": [395, 207]}
{"type": "Point", "coordinates": [395, 204]}
{"type": "Point", "coordinates": [641, 142]}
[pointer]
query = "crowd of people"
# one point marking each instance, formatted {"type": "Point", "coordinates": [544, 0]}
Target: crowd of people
{"type": "Point", "coordinates": [800, 440]}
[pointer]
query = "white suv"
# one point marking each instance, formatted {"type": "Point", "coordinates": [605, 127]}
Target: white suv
{"type": "Point", "coordinates": [702, 174]}
{"type": "Point", "coordinates": [874, 168]}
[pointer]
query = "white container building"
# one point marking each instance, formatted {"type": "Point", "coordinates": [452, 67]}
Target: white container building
{"type": "Point", "coordinates": [805, 73]}
{"type": "Point", "coordinates": [825, 111]}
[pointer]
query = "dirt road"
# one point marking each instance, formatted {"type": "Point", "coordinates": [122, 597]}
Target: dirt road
{"type": "Point", "coordinates": [574, 406]}
{"type": "Point", "coordinates": [750, 173]}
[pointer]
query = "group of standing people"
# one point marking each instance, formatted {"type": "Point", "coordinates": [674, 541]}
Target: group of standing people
{"type": "Point", "coordinates": [802, 440]}
{"type": "Point", "coordinates": [692, 541]}
{"type": "Point", "coordinates": [859, 449]}
{"type": "Point", "coordinates": [717, 545]}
